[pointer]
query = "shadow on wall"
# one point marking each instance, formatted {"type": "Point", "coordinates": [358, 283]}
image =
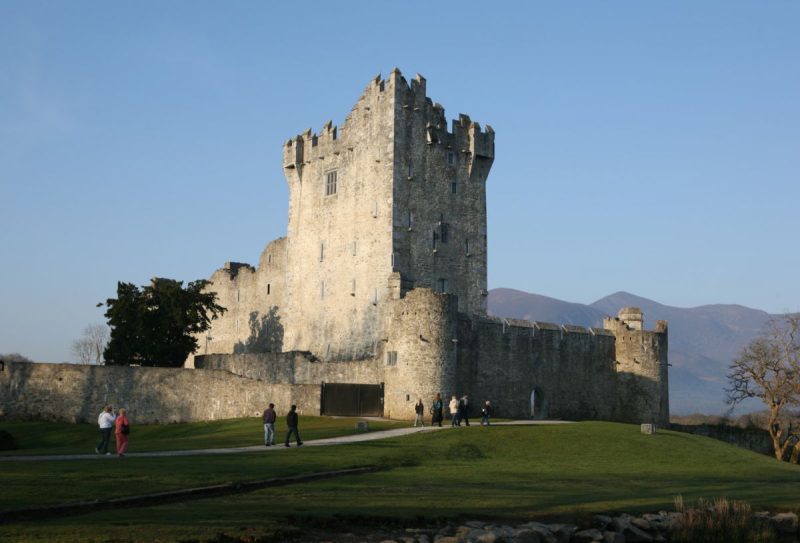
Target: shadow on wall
{"type": "Point", "coordinates": [266, 334]}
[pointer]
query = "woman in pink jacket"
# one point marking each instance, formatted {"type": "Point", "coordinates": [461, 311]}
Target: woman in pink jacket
{"type": "Point", "coordinates": [121, 432]}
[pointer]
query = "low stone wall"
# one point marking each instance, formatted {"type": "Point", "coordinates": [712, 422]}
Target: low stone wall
{"type": "Point", "coordinates": [76, 393]}
{"type": "Point", "coordinates": [295, 367]}
{"type": "Point", "coordinates": [754, 439]}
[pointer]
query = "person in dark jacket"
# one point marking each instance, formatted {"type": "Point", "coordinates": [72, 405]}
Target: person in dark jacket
{"type": "Point", "coordinates": [269, 425]}
{"type": "Point", "coordinates": [291, 424]}
{"type": "Point", "coordinates": [419, 409]}
{"type": "Point", "coordinates": [486, 413]}
{"type": "Point", "coordinates": [463, 410]}
{"type": "Point", "coordinates": [437, 410]}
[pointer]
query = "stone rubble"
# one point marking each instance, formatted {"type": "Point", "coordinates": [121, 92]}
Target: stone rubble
{"type": "Point", "coordinates": [623, 528]}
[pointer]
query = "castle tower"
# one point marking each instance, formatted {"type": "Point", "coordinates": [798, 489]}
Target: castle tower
{"type": "Point", "coordinates": [391, 192]}
{"type": "Point", "coordinates": [641, 363]}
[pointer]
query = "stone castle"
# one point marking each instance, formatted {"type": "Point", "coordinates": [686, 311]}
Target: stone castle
{"type": "Point", "coordinates": [381, 281]}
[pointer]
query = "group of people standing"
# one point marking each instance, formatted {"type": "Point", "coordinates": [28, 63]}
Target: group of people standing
{"type": "Point", "coordinates": [119, 424]}
{"type": "Point", "coordinates": [269, 416]}
{"type": "Point", "coordinates": [459, 411]}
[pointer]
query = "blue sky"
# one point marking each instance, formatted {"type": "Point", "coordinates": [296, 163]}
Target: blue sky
{"type": "Point", "coordinates": [651, 147]}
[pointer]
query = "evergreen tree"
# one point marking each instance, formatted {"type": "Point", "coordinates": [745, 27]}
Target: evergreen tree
{"type": "Point", "coordinates": [157, 324]}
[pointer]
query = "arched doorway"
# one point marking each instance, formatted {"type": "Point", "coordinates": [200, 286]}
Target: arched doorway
{"type": "Point", "coordinates": [538, 405]}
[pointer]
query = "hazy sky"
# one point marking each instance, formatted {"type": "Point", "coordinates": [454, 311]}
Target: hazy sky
{"type": "Point", "coordinates": [651, 147]}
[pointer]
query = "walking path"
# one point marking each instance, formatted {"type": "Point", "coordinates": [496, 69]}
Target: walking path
{"type": "Point", "coordinates": [341, 440]}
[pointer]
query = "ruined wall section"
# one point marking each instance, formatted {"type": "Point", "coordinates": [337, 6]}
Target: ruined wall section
{"type": "Point", "coordinates": [77, 393]}
{"type": "Point", "coordinates": [339, 249]}
{"type": "Point", "coordinates": [253, 298]}
{"type": "Point", "coordinates": [419, 354]}
{"type": "Point", "coordinates": [439, 226]}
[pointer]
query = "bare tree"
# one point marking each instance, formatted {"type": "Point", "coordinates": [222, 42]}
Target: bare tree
{"type": "Point", "coordinates": [89, 347]}
{"type": "Point", "coordinates": [768, 368]}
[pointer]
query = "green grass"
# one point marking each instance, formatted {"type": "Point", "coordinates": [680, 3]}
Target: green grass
{"type": "Point", "coordinates": [516, 473]}
{"type": "Point", "coordinates": [37, 438]}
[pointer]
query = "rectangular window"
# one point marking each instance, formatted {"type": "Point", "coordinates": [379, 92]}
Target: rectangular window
{"type": "Point", "coordinates": [434, 240]}
{"type": "Point", "coordinates": [451, 157]}
{"type": "Point", "coordinates": [321, 251]}
{"type": "Point", "coordinates": [410, 220]}
{"type": "Point", "coordinates": [445, 229]}
{"type": "Point", "coordinates": [269, 258]}
{"type": "Point", "coordinates": [391, 358]}
{"type": "Point", "coordinates": [268, 289]}
{"type": "Point", "coordinates": [454, 187]}
{"type": "Point", "coordinates": [330, 183]}
{"type": "Point", "coordinates": [441, 285]}
{"type": "Point", "coordinates": [410, 172]}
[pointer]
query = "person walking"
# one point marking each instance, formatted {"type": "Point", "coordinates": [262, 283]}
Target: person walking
{"type": "Point", "coordinates": [106, 423]}
{"type": "Point", "coordinates": [437, 410]}
{"type": "Point", "coordinates": [291, 425]}
{"type": "Point", "coordinates": [269, 425]}
{"type": "Point", "coordinates": [463, 410]}
{"type": "Point", "coordinates": [486, 413]}
{"type": "Point", "coordinates": [454, 411]}
{"type": "Point", "coordinates": [121, 432]}
{"type": "Point", "coordinates": [419, 409]}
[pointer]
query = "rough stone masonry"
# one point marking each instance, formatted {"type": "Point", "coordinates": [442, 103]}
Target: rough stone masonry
{"type": "Point", "coordinates": [381, 281]}
{"type": "Point", "coordinates": [384, 267]}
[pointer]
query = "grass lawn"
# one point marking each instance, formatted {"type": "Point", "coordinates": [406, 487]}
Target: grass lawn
{"type": "Point", "coordinates": [36, 438]}
{"type": "Point", "coordinates": [498, 472]}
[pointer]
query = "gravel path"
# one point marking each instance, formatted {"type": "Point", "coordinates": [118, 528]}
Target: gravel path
{"type": "Point", "coordinates": [341, 440]}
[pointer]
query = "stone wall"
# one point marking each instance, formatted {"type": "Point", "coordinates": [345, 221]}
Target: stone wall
{"type": "Point", "coordinates": [439, 197]}
{"type": "Point", "coordinates": [548, 371]}
{"type": "Point", "coordinates": [253, 298]}
{"type": "Point", "coordinates": [294, 368]}
{"type": "Point", "coordinates": [755, 439]}
{"type": "Point", "coordinates": [340, 250]}
{"type": "Point", "coordinates": [77, 393]}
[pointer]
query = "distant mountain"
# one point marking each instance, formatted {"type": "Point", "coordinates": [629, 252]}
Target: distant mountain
{"type": "Point", "coordinates": [702, 340]}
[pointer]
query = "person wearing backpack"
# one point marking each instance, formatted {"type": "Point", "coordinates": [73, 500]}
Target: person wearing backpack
{"type": "Point", "coordinates": [121, 433]}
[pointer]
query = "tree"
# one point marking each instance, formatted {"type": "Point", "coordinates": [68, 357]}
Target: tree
{"type": "Point", "coordinates": [90, 346]}
{"type": "Point", "coordinates": [768, 368]}
{"type": "Point", "coordinates": [157, 324]}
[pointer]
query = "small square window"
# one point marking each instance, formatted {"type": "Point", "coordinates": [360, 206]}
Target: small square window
{"type": "Point", "coordinates": [391, 358]}
{"type": "Point", "coordinates": [441, 286]}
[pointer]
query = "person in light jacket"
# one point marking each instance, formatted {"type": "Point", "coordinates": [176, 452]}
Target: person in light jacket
{"type": "Point", "coordinates": [106, 423]}
{"type": "Point", "coordinates": [454, 411]}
